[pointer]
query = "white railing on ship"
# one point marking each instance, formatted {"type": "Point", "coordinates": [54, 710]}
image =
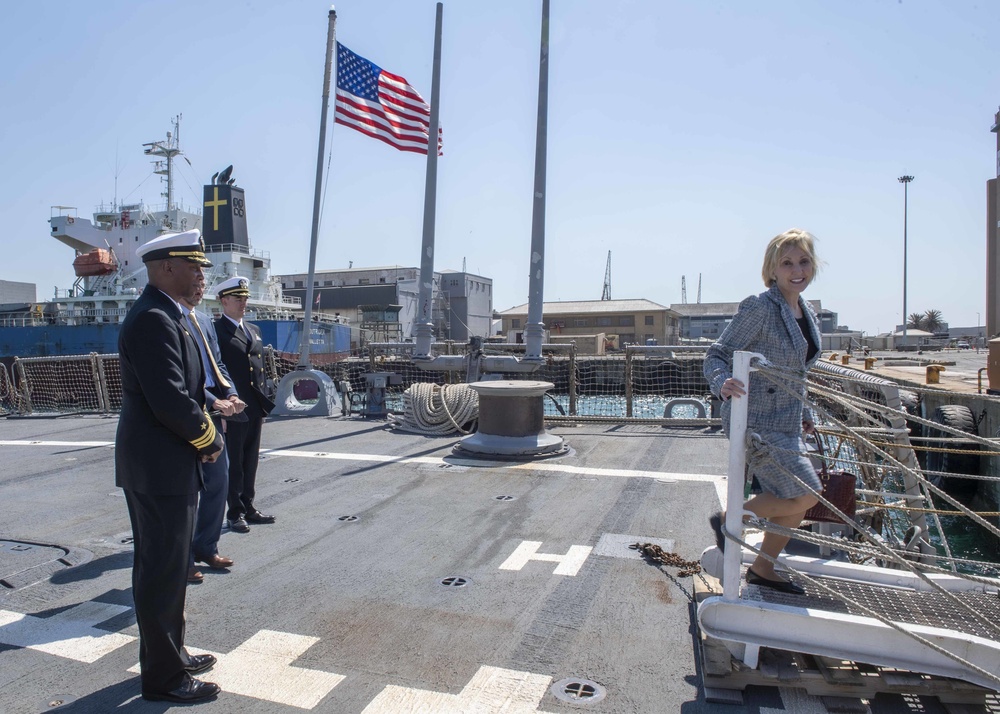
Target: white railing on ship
{"type": "Point", "coordinates": [236, 248]}
{"type": "Point", "coordinates": [22, 319]}
{"type": "Point", "coordinates": [93, 312]}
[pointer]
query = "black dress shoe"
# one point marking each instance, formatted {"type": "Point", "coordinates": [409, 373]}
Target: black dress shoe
{"type": "Point", "coordinates": [258, 517]}
{"type": "Point", "coordinates": [199, 663]}
{"type": "Point", "coordinates": [715, 520]}
{"type": "Point", "coordinates": [239, 526]}
{"type": "Point", "coordinates": [783, 586]}
{"type": "Point", "coordinates": [192, 690]}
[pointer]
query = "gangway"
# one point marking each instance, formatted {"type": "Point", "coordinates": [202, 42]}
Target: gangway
{"type": "Point", "coordinates": [919, 617]}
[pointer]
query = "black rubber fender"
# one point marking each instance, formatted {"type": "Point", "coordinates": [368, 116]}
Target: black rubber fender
{"type": "Point", "coordinates": [961, 418]}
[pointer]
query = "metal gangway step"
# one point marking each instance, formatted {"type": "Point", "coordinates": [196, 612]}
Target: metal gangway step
{"type": "Point", "coordinates": [914, 619]}
{"type": "Point", "coordinates": [839, 624]}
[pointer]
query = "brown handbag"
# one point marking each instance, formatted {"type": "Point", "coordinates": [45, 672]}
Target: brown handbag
{"type": "Point", "coordinates": [838, 489]}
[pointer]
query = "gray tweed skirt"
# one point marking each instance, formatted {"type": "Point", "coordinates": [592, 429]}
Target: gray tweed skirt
{"type": "Point", "coordinates": [779, 462]}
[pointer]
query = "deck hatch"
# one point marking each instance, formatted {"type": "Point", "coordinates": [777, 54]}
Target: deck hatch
{"type": "Point", "coordinates": [455, 581]}
{"type": "Point", "coordinates": [578, 690]}
{"type": "Point", "coordinates": [59, 701]}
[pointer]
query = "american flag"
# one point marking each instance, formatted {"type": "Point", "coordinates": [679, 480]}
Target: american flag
{"type": "Point", "coordinates": [380, 104]}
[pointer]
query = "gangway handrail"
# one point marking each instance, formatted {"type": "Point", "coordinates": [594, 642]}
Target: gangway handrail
{"type": "Point", "coordinates": [874, 638]}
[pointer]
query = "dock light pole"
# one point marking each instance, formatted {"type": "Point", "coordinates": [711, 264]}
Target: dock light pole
{"type": "Point", "coordinates": [905, 180]}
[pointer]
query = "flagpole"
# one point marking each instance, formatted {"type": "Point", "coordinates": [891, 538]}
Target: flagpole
{"type": "Point", "coordinates": [423, 329]}
{"type": "Point", "coordinates": [534, 330]}
{"type": "Point", "coordinates": [304, 343]}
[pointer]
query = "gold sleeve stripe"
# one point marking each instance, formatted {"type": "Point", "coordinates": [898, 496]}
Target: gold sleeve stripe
{"type": "Point", "coordinates": [205, 439]}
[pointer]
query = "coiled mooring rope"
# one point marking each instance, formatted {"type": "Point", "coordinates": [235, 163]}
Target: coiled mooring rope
{"type": "Point", "coordinates": [432, 409]}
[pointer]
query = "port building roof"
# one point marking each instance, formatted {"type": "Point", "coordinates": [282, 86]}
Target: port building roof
{"type": "Point", "coordinates": [575, 307]}
{"type": "Point", "coordinates": [707, 309]}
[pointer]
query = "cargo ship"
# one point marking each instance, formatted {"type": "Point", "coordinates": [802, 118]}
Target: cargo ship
{"type": "Point", "coordinates": [87, 317]}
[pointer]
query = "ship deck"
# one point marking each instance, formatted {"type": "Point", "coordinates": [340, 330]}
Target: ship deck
{"type": "Point", "coordinates": [397, 578]}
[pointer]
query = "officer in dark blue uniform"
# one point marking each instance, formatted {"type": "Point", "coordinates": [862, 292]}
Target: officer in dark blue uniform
{"type": "Point", "coordinates": [164, 435]}
{"type": "Point", "coordinates": [222, 402]}
{"type": "Point", "coordinates": [243, 352]}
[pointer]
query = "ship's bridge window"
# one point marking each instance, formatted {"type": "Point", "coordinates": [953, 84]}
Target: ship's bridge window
{"type": "Point", "coordinates": [363, 281]}
{"type": "Point", "coordinates": [298, 283]}
{"type": "Point", "coordinates": [381, 280]}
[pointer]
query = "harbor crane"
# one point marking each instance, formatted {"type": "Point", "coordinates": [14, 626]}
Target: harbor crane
{"type": "Point", "coordinates": [606, 295]}
{"type": "Point", "coordinates": [684, 290]}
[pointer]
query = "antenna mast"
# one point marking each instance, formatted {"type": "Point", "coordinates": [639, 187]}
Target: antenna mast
{"type": "Point", "coordinates": [684, 290]}
{"type": "Point", "coordinates": [699, 288]}
{"type": "Point", "coordinates": [167, 149]}
{"type": "Point", "coordinates": [606, 295]}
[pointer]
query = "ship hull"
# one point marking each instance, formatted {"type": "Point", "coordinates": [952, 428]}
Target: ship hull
{"type": "Point", "coordinates": [66, 340]}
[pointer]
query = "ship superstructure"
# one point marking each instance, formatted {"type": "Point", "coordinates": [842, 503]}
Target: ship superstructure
{"type": "Point", "coordinates": [110, 276]}
{"type": "Point", "coordinates": [87, 317]}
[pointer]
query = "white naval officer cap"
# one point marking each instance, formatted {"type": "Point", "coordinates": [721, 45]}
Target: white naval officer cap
{"type": "Point", "coordinates": [233, 287]}
{"type": "Point", "coordinates": [187, 245]}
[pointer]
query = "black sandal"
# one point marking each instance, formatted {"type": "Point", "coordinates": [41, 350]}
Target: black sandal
{"type": "Point", "coordinates": [715, 520]}
{"type": "Point", "coordinates": [784, 586]}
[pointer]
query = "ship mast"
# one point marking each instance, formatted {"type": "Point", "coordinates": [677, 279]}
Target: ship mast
{"type": "Point", "coordinates": [167, 149]}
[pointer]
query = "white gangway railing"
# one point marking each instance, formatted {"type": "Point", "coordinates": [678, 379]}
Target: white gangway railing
{"type": "Point", "coordinates": [894, 631]}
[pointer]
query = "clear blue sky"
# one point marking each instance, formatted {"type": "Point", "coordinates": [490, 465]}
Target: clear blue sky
{"type": "Point", "coordinates": [682, 137]}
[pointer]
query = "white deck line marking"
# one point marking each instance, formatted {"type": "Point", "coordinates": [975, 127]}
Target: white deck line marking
{"type": "Point", "coordinates": [70, 634]}
{"type": "Point", "coordinates": [616, 545]}
{"type": "Point", "coordinates": [492, 690]}
{"type": "Point", "coordinates": [569, 564]}
{"type": "Point", "coordinates": [718, 481]}
{"type": "Point", "coordinates": [261, 668]}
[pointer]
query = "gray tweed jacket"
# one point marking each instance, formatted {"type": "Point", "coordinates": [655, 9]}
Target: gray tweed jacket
{"type": "Point", "coordinates": [764, 323]}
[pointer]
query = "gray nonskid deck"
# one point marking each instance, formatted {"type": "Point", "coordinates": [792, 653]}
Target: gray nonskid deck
{"type": "Point", "coordinates": [340, 605]}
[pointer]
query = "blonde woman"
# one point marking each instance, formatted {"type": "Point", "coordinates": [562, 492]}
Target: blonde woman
{"type": "Point", "coordinates": [782, 326]}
